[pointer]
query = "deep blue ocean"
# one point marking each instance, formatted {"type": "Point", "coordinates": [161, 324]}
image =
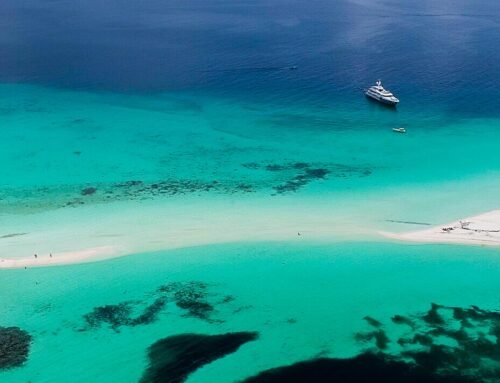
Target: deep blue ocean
{"type": "Point", "coordinates": [438, 53]}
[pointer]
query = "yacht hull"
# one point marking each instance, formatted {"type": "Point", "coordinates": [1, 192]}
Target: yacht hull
{"type": "Point", "coordinates": [382, 100]}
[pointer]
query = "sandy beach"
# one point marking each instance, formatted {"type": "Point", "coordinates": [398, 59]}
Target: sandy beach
{"type": "Point", "coordinates": [61, 258]}
{"type": "Point", "coordinates": [94, 233]}
{"type": "Point", "coordinates": [483, 229]}
{"type": "Point", "coordinates": [97, 232]}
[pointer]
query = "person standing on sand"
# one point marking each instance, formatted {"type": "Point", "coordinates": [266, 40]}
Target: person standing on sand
{"type": "Point", "coordinates": [36, 256]}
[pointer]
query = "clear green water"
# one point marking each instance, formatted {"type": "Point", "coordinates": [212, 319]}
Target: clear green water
{"type": "Point", "coordinates": [57, 142]}
{"type": "Point", "coordinates": [303, 299]}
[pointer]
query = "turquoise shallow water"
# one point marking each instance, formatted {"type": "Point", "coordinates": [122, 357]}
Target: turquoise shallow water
{"type": "Point", "coordinates": [56, 143]}
{"type": "Point", "coordinates": [303, 299]}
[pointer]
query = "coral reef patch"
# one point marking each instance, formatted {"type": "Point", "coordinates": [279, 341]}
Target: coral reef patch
{"type": "Point", "coordinates": [193, 298]}
{"type": "Point", "coordinates": [445, 341]}
{"type": "Point", "coordinates": [14, 347]}
{"type": "Point", "coordinates": [293, 176]}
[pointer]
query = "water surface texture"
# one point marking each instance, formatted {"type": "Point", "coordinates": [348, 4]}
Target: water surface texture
{"type": "Point", "coordinates": [138, 124]}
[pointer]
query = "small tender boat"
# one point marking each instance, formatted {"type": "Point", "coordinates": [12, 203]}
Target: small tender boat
{"type": "Point", "coordinates": [378, 93]}
{"type": "Point", "coordinates": [399, 130]}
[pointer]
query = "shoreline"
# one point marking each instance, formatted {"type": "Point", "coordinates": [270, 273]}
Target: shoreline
{"type": "Point", "coordinates": [96, 233]}
{"type": "Point", "coordinates": [100, 232]}
{"type": "Point", "coordinates": [479, 230]}
{"type": "Point", "coordinates": [102, 253]}
{"type": "Point", "coordinates": [64, 258]}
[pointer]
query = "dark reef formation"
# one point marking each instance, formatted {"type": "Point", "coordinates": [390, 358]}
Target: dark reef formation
{"type": "Point", "coordinates": [14, 347]}
{"type": "Point", "coordinates": [173, 359]}
{"type": "Point", "coordinates": [88, 191]}
{"type": "Point", "coordinates": [401, 319]}
{"type": "Point", "coordinates": [296, 175]}
{"type": "Point", "coordinates": [379, 336]}
{"type": "Point", "coordinates": [150, 312]}
{"type": "Point", "coordinates": [113, 315]}
{"type": "Point", "coordinates": [191, 297]}
{"type": "Point", "coordinates": [121, 314]}
{"type": "Point", "coordinates": [76, 195]}
{"type": "Point", "coordinates": [194, 298]}
{"type": "Point", "coordinates": [136, 189]}
{"type": "Point", "coordinates": [473, 356]}
{"type": "Point", "coordinates": [446, 341]}
{"type": "Point", "coordinates": [278, 178]}
{"type": "Point", "coordinates": [363, 368]}
{"type": "Point", "coordinates": [372, 322]}
{"type": "Point", "coordinates": [443, 345]}
{"type": "Point", "coordinates": [300, 180]}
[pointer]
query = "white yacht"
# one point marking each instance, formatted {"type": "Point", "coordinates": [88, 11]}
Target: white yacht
{"type": "Point", "coordinates": [377, 92]}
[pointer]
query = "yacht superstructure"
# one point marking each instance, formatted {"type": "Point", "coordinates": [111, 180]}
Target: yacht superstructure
{"type": "Point", "coordinates": [378, 93]}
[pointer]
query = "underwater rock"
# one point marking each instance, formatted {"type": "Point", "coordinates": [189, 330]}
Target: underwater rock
{"type": "Point", "coordinates": [244, 188]}
{"type": "Point", "coordinates": [114, 315]}
{"type": "Point", "coordinates": [459, 335]}
{"type": "Point", "coordinates": [275, 167]}
{"type": "Point", "coordinates": [475, 313]}
{"type": "Point", "coordinates": [300, 165]}
{"type": "Point", "coordinates": [432, 317]}
{"type": "Point", "coordinates": [150, 313]}
{"type": "Point", "coordinates": [300, 180]}
{"type": "Point", "coordinates": [129, 183]}
{"type": "Point", "coordinates": [14, 347]}
{"type": "Point", "coordinates": [400, 319]}
{"type": "Point", "coordinates": [251, 165]}
{"type": "Point", "coordinates": [372, 321]}
{"type": "Point", "coordinates": [192, 297]}
{"type": "Point", "coordinates": [421, 339]}
{"type": "Point", "coordinates": [316, 173]}
{"type": "Point", "coordinates": [136, 189]}
{"type": "Point", "coordinates": [290, 177]}
{"type": "Point", "coordinates": [228, 299]}
{"type": "Point", "coordinates": [466, 344]}
{"type": "Point", "coordinates": [120, 314]}
{"type": "Point", "coordinates": [363, 368]}
{"type": "Point", "coordinates": [436, 358]}
{"type": "Point", "coordinates": [88, 191]}
{"type": "Point", "coordinates": [195, 308]}
{"type": "Point", "coordinates": [173, 359]}
{"type": "Point", "coordinates": [380, 337]}
{"type": "Point", "coordinates": [299, 174]}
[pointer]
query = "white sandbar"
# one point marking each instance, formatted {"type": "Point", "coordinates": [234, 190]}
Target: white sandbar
{"type": "Point", "coordinates": [483, 229]}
